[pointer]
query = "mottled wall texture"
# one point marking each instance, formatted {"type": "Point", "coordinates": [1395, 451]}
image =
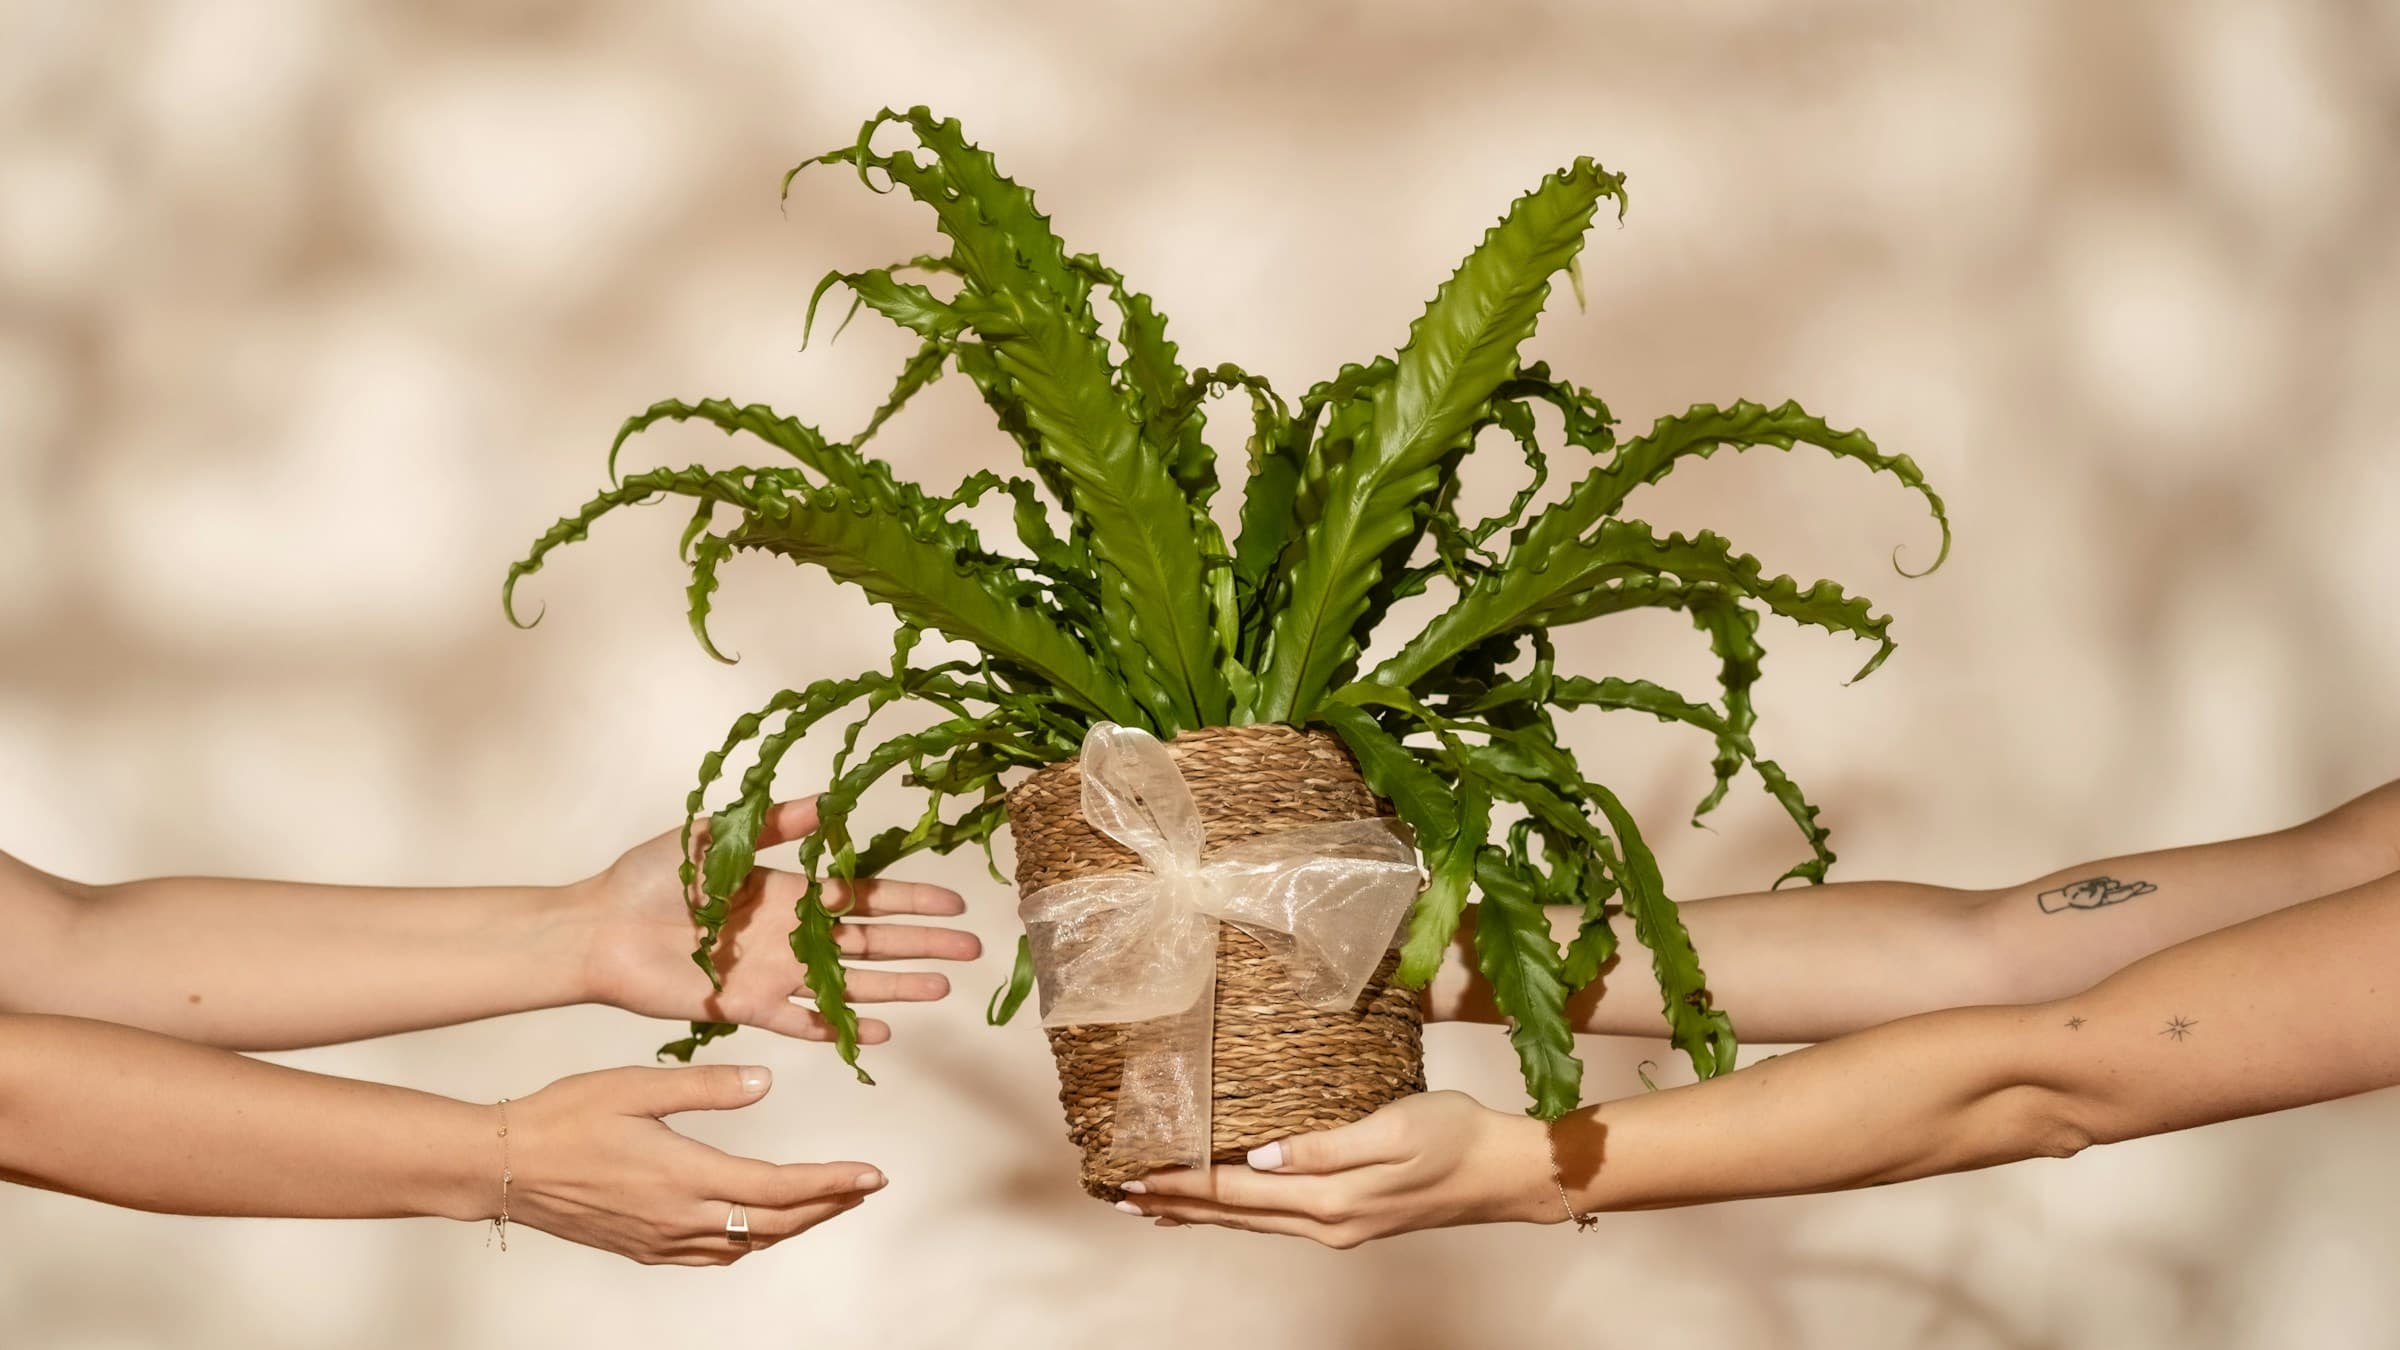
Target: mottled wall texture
{"type": "Point", "coordinates": [311, 314]}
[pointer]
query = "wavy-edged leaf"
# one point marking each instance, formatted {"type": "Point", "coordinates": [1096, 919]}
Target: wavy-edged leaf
{"type": "Point", "coordinates": [696, 483]}
{"type": "Point", "coordinates": [923, 583]}
{"type": "Point", "coordinates": [1138, 521]}
{"type": "Point", "coordinates": [1269, 495]}
{"type": "Point", "coordinates": [1705, 428]}
{"type": "Point", "coordinates": [1550, 581]}
{"type": "Point", "coordinates": [1032, 312]}
{"type": "Point", "coordinates": [1171, 420]}
{"type": "Point", "coordinates": [1665, 704]}
{"type": "Point", "coordinates": [838, 464]}
{"type": "Point", "coordinates": [1458, 352]}
{"type": "Point", "coordinates": [1518, 956]}
{"type": "Point", "coordinates": [1432, 812]}
{"type": "Point", "coordinates": [1694, 1025]}
{"type": "Point", "coordinates": [1732, 631]}
{"type": "Point", "coordinates": [1434, 921]}
{"type": "Point", "coordinates": [812, 940]}
{"type": "Point", "coordinates": [905, 303]}
{"type": "Point", "coordinates": [922, 369]}
{"type": "Point", "coordinates": [708, 551]}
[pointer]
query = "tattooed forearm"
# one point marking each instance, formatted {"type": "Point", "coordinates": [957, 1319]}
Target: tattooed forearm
{"type": "Point", "coordinates": [2091, 893]}
{"type": "Point", "coordinates": [2178, 1028]}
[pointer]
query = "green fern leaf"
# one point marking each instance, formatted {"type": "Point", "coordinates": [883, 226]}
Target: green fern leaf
{"type": "Point", "coordinates": [1459, 351]}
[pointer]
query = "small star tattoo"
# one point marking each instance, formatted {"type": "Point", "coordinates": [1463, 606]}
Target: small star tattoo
{"type": "Point", "coordinates": [2178, 1027]}
{"type": "Point", "coordinates": [2074, 1024]}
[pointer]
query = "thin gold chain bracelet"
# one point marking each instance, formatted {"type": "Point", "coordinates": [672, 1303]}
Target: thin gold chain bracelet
{"type": "Point", "coordinates": [500, 1221]}
{"type": "Point", "coordinates": [1583, 1222]}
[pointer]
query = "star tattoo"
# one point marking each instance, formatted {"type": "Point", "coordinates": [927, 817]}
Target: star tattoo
{"type": "Point", "coordinates": [2074, 1024]}
{"type": "Point", "coordinates": [2178, 1027]}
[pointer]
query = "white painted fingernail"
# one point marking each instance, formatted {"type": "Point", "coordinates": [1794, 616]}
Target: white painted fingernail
{"type": "Point", "coordinates": [755, 1078]}
{"type": "Point", "coordinates": [1138, 1187]}
{"type": "Point", "coordinates": [867, 1181]}
{"type": "Point", "coordinates": [1129, 1207]}
{"type": "Point", "coordinates": [1267, 1157]}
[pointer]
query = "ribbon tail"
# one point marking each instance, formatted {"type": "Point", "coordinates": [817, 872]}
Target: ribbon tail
{"type": "Point", "coordinates": [1165, 1099]}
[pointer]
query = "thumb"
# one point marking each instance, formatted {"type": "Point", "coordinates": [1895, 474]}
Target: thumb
{"type": "Point", "coordinates": [1373, 1140]}
{"type": "Point", "coordinates": [700, 1087]}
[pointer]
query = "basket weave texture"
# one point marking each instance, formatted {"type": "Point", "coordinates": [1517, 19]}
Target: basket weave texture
{"type": "Point", "coordinates": [1280, 1067]}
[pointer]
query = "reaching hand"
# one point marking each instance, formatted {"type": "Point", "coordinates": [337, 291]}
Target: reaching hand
{"type": "Point", "coordinates": [591, 1162]}
{"type": "Point", "coordinates": [641, 954]}
{"type": "Point", "coordinates": [1430, 1161]}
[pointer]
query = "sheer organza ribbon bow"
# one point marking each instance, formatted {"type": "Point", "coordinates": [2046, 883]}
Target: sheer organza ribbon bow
{"type": "Point", "coordinates": [1141, 946]}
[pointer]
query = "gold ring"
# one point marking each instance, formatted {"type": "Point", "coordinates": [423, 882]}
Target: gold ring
{"type": "Point", "coordinates": [737, 1226]}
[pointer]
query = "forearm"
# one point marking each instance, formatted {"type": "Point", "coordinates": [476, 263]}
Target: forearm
{"type": "Point", "coordinates": [258, 965]}
{"type": "Point", "coordinates": [1811, 964]}
{"type": "Point", "coordinates": [2282, 1011]}
{"type": "Point", "coordinates": [1919, 1097]}
{"type": "Point", "coordinates": [136, 1119]}
{"type": "Point", "coordinates": [1788, 966]}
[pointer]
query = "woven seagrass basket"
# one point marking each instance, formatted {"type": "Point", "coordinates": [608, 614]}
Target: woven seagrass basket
{"type": "Point", "coordinates": [1281, 1067]}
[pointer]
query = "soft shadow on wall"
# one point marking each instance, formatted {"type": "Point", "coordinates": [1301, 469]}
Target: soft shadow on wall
{"type": "Point", "coordinates": [311, 315]}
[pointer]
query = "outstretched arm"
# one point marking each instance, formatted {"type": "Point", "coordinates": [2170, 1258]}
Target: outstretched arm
{"type": "Point", "coordinates": [1814, 963]}
{"type": "Point", "coordinates": [2284, 1010]}
{"type": "Point", "coordinates": [142, 1120]}
{"type": "Point", "coordinates": [262, 965]}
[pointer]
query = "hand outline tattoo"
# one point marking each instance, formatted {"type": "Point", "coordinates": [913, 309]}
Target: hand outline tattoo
{"type": "Point", "coordinates": [2091, 893]}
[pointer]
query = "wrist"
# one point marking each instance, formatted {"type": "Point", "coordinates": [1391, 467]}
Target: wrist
{"type": "Point", "coordinates": [580, 923]}
{"type": "Point", "coordinates": [1528, 1189]}
{"type": "Point", "coordinates": [463, 1163]}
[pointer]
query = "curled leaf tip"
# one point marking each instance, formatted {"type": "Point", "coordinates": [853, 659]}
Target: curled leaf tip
{"type": "Point", "coordinates": [508, 605]}
{"type": "Point", "coordinates": [1941, 556]}
{"type": "Point", "coordinates": [1882, 653]}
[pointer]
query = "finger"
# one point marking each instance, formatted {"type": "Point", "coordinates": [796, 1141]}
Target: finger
{"type": "Point", "coordinates": [771, 1186]}
{"type": "Point", "coordinates": [1379, 1138]}
{"type": "Point", "coordinates": [905, 942]}
{"type": "Point", "coordinates": [787, 821]}
{"type": "Point", "coordinates": [873, 898]}
{"type": "Point", "coordinates": [698, 1087]}
{"type": "Point", "coordinates": [878, 896]}
{"type": "Point", "coordinates": [709, 1227]}
{"type": "Point", "coordinates": [770, 1226]}
{"type": "Point", "coordinates": [807, 1024]}
{"type": "Point", "coordinates": [791, 1223]}
{"type": "Point", "coordinates": [896, 986]}
{"type": "Point", "coordinates": [1241, 1188]}
{"type": "Point", "coordinates": [1248, 1221]}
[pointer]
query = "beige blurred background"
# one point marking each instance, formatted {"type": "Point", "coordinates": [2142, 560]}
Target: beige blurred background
{"type": "Point", "coordinates": [312, 314]}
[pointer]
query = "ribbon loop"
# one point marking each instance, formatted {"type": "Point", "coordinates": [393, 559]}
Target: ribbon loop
{"type": "Point", "coordinates": [1141, 946]}
{"type": "Point", "coordinates": [1133, 793]}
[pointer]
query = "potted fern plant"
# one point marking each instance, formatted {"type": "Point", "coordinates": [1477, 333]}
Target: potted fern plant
{"type": "Point", "coordinates": [1121, 615]}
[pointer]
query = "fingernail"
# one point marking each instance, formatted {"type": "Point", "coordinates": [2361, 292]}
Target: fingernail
{"type": "Point", "coordinates": [867, 1181]}
{"type": "Point", "coordinates": [1137, 1187]}
{"type": "Point", "coordinates": [1168, 1223]}
{"type": "Point", "coordinates": [1267, 1157]}
{"type": "Point", "coordinates": [755, 1078]}
{"type": "Point", "coordinates": [1129, 1207]}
